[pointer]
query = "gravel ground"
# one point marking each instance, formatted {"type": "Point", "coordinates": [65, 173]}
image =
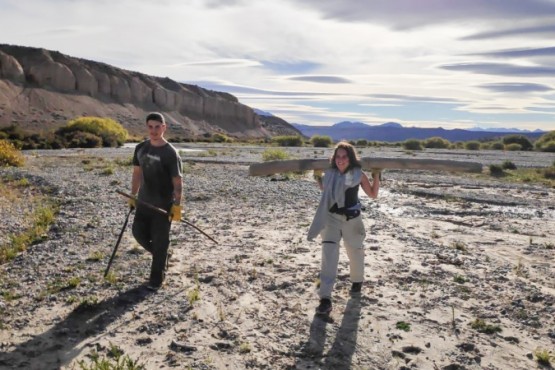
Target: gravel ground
{"type": "Point", "coordinates": [442, 251]}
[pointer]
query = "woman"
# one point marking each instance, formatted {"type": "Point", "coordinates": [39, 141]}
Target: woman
{"type": "Point", "coordinates": [338, 216]}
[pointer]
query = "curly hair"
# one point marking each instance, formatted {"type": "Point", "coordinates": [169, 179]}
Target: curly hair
{"type": "Point", "coordinates": [354, 161]}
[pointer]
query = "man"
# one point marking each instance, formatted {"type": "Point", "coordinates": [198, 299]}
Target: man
{"type": "Point", "coordinates": [157, 181]}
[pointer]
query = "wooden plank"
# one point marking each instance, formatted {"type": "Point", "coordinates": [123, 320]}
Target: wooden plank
{"type": "Point", "coordinates": [368, 163]}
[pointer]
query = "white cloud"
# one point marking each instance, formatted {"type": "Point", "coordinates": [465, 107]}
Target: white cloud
{"type": "Point", "coordinates": [321, 61]}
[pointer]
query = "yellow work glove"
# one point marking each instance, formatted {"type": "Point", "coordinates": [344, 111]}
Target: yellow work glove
{"type": "Point", "coordinates": [175, 213]}
{"type": "Point", "coordinates": [132, 203]}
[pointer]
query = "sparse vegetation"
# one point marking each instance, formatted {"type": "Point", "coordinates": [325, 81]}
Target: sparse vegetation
{"type": "Point", "coordinates": [91, 132]}
{"type": "Point", "coordinates": [321, 141]}
{"type": "Point", "coordinates": [513, 147]}
{"type": "Point", "coordinates": [193, 295]}
{"type": "Point", "coordinates": [472, 145]}
{"type": "Point", "coordinates": [546, 143]}
{"type": "Point", "coordinates": [496, 170]}
{"type": "Point", "coordinates": [95, 256]}
{"type": "Point", "coordinates": [362, 142]}
{"type": "Point", "coordinates": [402, 325]}
{"type": "Point", "coordinates": [460, 246]}
{"type": "Point", "coordinates": [274, 154]}
{"type": "Point", "coordinates": [483, 327]}
{"type": "Point", "coordinates": [497, 146]}
{"type": "Point", "coordinates": [111, 278]}
{"type": "Point", "coordinates": [545, 175]}
{"type": "Point", "coordinates": [459, 279]}
{"type": "Point", "coordinates": [291, 140]}
{"type": "Point", "coordinates": [114, 361]}
{"type": "Point", "coordinates": [522, 141]}
{"type": "Point", "coordinates": [58, 285]}
{"type": "Point", "coordinates": [221, 138]}
{"type": "Point", "coordinates": [41, 218]}
{"type": "Point", "coordinates": [245, 347]}
{"type": "Point", "coordinates": [437, 143]}
{"type": "Point", "coordinates": [543, 356]}
{"type": "Point", "coordinates": [520, 269]}
{"type": "Point", "coordinates": [412, 144]}
{"type": "Point", "coordinates": [508, 165]}
{"type": "Point", "coordinates": [10, 156]}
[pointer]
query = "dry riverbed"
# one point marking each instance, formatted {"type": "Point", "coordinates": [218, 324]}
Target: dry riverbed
{"type": "Point", "coordinates": [459, 272]}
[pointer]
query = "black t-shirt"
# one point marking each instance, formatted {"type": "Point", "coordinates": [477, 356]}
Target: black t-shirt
{"type": "Point", "coordinates": [159, 164]}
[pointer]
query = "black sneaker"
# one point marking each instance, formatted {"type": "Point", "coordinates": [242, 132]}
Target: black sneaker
{"type": "Point", "coordinates": [356, 288]}
{"type": "Point", "coordinates": [153, 286]}
{"type": "Point", "coordinates": [325, 306]}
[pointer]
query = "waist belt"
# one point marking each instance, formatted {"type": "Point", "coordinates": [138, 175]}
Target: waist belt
{"type": "Point", "coordinates": [349, 213]}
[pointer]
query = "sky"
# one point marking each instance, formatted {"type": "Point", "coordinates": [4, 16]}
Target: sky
{"type": "Point", "coordinates": [422, 63]}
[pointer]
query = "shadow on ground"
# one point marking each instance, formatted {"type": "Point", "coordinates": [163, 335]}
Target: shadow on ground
{"type": "Point", "coordinates": [59, 345]}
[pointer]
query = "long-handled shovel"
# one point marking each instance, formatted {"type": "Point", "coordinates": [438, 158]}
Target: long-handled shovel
{"type": "Point", "coordinates": [117, 243]}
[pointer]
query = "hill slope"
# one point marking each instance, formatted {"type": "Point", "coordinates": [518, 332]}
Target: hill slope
{"type": "Point", "coordinates": [42, 89]}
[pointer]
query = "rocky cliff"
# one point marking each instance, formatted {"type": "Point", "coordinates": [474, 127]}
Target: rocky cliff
{"type": "Point", "coordinates": [42, 89]}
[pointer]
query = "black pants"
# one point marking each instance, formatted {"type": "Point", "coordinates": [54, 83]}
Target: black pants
{"type": "Point", "coordinates": [152, 232]}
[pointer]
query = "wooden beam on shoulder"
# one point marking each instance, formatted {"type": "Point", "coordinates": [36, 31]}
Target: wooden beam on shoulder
{"type": "Point", "coordinates": [368, 163]}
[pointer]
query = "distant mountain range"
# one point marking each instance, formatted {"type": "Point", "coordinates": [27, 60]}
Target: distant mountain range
{"type": "Point", "coordinates": [393, 132]}
{"type": "Point", "coordinates": [511, 130]}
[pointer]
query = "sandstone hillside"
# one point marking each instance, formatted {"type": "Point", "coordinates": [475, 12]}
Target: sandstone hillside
{"type": "Point", "coordinates": [42, 89]}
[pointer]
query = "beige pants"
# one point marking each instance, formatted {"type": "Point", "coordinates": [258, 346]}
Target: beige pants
{"type": "Point", "coordinates": [353, 235]}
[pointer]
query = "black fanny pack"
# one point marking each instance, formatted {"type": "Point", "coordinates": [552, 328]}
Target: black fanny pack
{"type": "Point", "coordinates": [349, 213]}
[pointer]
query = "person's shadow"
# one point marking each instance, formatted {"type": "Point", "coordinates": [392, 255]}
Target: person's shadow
{"type": "Point", "coordinates": [59, 345]}
{"type": "Point", "coordinates": [341, 353]}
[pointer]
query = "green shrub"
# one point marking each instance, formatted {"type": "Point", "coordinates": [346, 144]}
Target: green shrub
{"type": "Point", "coordinates": [544, 357]}
{"type": "Point", "coordinates": [402, 325]}
{"type": "Point", "coordinates": [362, 142]}
{"type": "Point", "coordinates": [81, 139]}
{"type": "Point", "coordinates": [472, 145]}
{"type": "Point", "coordinates": [483, 327]}
{"type": "Point", "coordinates": [508, 165]}
{"type": "Point", "coordinates": [437, 142]}
{"type": "Point", "coordinates": [549, 173]}
{"type": "Point", "coordinates": [522, 140]}
{"type": "Point", "coordinates": [497, 146]}
{"type": "Point", "coordinates": [291, 140]}
{"type": "Point", "coordinates": [321, 141]}
{"type": "Point", "coordinates": [513, 147]}
{"type": "Point", "coordinates": [221, 138]}
{"type": "Point", "coordinates": [412, 144]}
{"type": "Point", "coordinates": [10, 156]}
{"type": "Point", "coordinates": [13, 133]}
{"type": "Point", "coordinates": [112, 133]}
{"type": "Point", "coordinates": [274, 155]}
{"type": "Point", "coordinates": [546, 142]}
{"type": "Point", "coordinates": [548, 146]}
{"type": "Point", "coordinates": [496, 170]}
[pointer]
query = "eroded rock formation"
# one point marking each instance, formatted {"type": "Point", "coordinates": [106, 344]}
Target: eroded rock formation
{"type": "Point", "coordinates": [54, 87]}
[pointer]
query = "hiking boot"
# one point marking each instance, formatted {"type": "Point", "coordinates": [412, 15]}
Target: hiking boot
{"type": "Point", "coordinates": [356, 288]}
{"type": "Point", "coordinates": [154, 286]}
{"type": "Point", "coordinates": [325, 306]}
{"type": "Point", "coordinates": [155, 283]}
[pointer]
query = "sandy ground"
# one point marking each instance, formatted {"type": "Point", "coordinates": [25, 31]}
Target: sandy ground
{"type": "Point", "coordinates": [442, 252]}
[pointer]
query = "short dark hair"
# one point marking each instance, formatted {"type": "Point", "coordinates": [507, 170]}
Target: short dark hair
{"type": "Point", "coordinates": [155, 116]}
{"type": "Point", "coordinates": [354, 161]}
